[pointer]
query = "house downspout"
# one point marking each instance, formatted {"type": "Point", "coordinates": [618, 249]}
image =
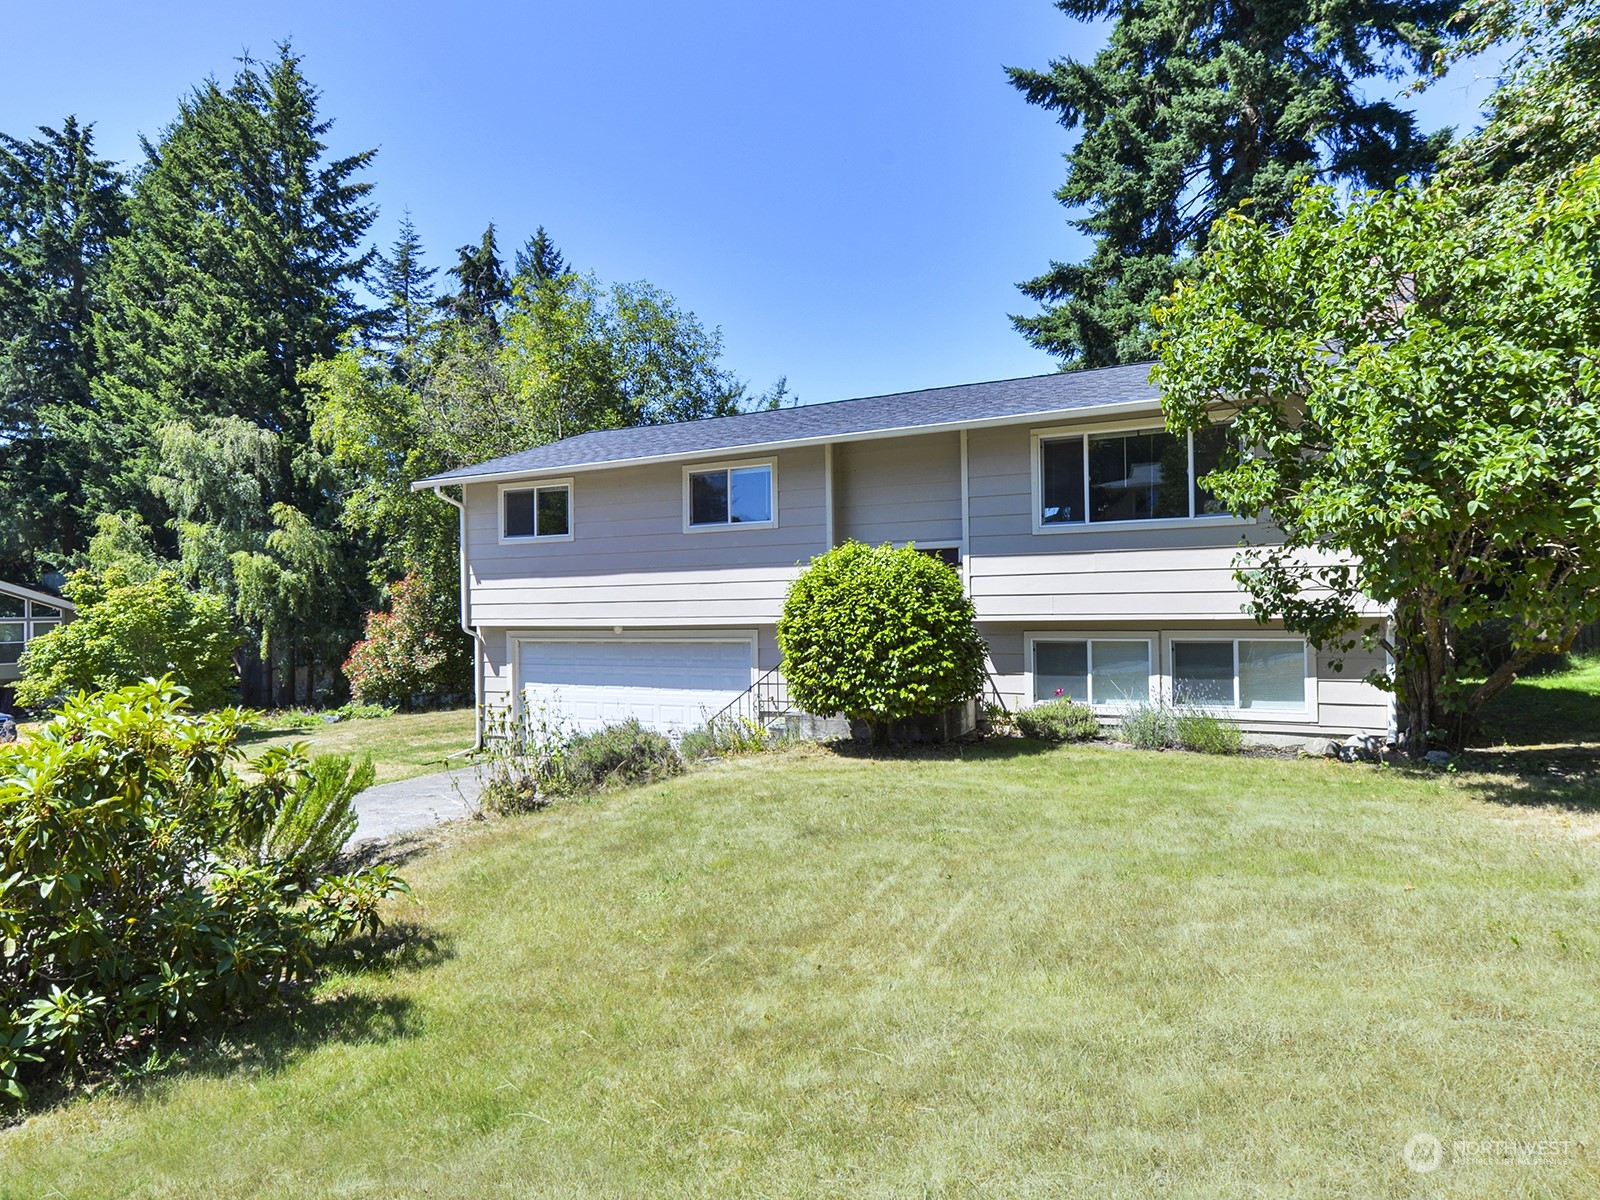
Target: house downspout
{"type": "Point", "coordinates": [479, 651]}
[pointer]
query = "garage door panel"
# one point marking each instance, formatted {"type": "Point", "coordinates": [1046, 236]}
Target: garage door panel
{"type": "Point", "coordinates": [668, 686]}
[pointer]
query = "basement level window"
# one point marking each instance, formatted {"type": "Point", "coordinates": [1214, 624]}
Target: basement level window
{"type": "Point", "coordinates": [544, 511]}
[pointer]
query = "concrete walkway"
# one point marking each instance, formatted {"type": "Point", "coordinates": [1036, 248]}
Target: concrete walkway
{"type": "Point", "coordinates": [412, 804]}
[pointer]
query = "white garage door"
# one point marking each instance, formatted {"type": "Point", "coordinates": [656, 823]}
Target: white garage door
{"type": "Point", "coordinates": [668, 686]}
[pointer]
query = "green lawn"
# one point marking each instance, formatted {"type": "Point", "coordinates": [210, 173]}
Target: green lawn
{"type": "Point", "coordinates": [1016, 973]}
{"type": "Point", "coordinates": [1557, 709]}
{"type": "Point", "coordinates": [401, 746]}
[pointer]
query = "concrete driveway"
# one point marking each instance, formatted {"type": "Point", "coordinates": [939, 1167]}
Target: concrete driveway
{"type": "Point", "coordinates": [414, 804]}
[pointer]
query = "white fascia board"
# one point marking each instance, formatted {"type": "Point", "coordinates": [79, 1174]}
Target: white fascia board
{"type": "Point", "coordinates": [28, 593]}
{"type": "Point", "coordinates": [1056, 414]}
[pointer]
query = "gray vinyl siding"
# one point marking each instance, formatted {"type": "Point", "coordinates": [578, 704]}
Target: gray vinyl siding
{"type": "Point", "coordinates": [1109, 572]}
{"type": "Point", "coordinates": [1346, 703]}
{"type": "Point", "coordinates": [905, 489]}
{"type": "Point", "coordinates": [630, 561]}
{"type": "Point", "coordinates": [1086, 573]}
{"type": "Point", "coordinates": [632, 565]}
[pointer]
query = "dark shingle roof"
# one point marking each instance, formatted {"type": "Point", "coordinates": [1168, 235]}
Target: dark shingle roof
{"type": "Point", "coordinates": [1036, 395]}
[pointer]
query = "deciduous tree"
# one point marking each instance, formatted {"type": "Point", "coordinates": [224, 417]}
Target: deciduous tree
{"type": "Point", "coordinates": [1417, 387]}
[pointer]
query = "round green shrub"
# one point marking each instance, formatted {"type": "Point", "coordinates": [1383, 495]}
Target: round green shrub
{"type": "Point", "coordinates": [879, 634]}
{"type": "Point", "coordinates": [1058, 721]}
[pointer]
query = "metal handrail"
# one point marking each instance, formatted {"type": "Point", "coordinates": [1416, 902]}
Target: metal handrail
{"type": "Point", "coordinates": [994, 691]}
{"type": "Point", "coordinates": [764, 699]}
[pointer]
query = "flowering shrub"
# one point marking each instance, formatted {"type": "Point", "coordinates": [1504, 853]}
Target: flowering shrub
{"type": "Point", "coordinates": [146, 886]}
{"type": "Point", "coordinates": [1058, 720]}
{"type": "Point", "coordinates": [414, 649]}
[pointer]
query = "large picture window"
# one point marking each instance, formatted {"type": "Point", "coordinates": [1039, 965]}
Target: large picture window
{"type": "Point", "coordinates": [1256, 674]}
{"type": "Point", "coordinates": [544, 511]}
{"type": "Point", "coordinates": [1099, 671]}
{"type": "Point", "coordinates": [723, 496]}
{"type": "Point", "coordinates": [1137, 475]}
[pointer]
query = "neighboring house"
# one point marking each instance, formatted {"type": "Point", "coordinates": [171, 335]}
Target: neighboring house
{"type": "Point", "coordinates": [641, 572]}
{"type": "Point", "coordinates": [25, 613]}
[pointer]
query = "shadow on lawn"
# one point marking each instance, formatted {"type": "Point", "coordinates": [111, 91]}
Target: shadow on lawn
{"type": "Point", "coordinates": [976, 749]}
{"type": "Point", "coordinates": [269, 1041]}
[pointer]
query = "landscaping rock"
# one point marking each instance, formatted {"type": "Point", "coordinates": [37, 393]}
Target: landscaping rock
{"type": "Point", "coordinates": [8, 728]}
{"type": "Point", "coordinates": [1361, 748]}
{"type": "Point", "coordinates": [1437, 757]}
{"type": "Point", "coordinates": [1319, 748]}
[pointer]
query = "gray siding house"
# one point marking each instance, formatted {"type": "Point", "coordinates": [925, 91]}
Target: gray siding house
{"type": "Point", "coordinates": [25, 613]}
{"type": "Point", "coordinates": [641, 572]}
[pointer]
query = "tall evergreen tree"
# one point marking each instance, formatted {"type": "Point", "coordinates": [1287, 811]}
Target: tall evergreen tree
{"type": "Point", "coordinates": [1196, 107]}
{"type": "Point", "coordinates": [539, 261]}
{"type": "Point", "coordinates": [484, 286]}
{"type": "Point", "coordinates": [406, 287]}
{"type": "Point", "coordinates": [60, 208]}
{"type": "Point", "coordinates": [238, 272]}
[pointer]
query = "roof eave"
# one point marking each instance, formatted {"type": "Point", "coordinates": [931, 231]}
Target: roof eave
{"type": "Point", "coordinates": [28, 593]}
{"type": "Point", "coordinates": [1121, 406]}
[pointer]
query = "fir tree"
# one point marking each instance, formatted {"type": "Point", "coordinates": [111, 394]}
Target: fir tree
{"type": "Point", "coordinates": [1196, 107]}
{"type": "Point", "coordinates": [60, 207]}
{"type": "Point", "coordinates": [406, 288]}
{"type": "Point", "coordinates": [539, 261]}
{"type": "Point", "coordinates": [484, 286]}
{"type": "Point", "coordinates": [237, 273]}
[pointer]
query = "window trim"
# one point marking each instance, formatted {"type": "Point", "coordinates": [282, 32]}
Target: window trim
{"type": "Point", "coordinates": [705, 468]}
{"type": "Point", "coordinates": [1031, 638]}
{"type": "Point", "coordinates": [1306, 713]}
{"type": "Point", "coordinates": [1086, 431]}
{"type": "Point", "coordinates": [535, 485]}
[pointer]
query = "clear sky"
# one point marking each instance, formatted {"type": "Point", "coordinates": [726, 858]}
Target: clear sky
{"type": "Point", "coordinates": [849, 189]}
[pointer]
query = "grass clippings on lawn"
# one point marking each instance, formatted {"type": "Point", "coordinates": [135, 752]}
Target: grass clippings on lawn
{"type": "Point", "coordinates": [1009, 973]}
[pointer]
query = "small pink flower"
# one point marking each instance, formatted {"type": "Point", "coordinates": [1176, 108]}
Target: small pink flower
{"type": "Point", "coordinates": [1059, 691]}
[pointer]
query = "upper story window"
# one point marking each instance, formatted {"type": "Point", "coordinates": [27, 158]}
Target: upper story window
{"type": "Point", "coordinates": [540, 511]}
{"type": "Point", "coordinates": [20, 622]}
{"type": "Point", "coordinates": [724, 496]}
{"type": "Point", "coordinates": [1132, 475]}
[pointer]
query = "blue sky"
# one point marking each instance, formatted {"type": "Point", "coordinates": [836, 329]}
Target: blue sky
{"type": "Point", "coordinates": [850, 190]}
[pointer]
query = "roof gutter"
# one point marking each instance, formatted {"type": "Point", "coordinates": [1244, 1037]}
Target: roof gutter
{"type": "Point", "coordinates": [479, 649]}
{"type": "Point", "coordinates": [1096, 410]}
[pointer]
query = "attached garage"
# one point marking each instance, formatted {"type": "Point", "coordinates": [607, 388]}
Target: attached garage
{"type": "Point", "coordinates": [668, 685]}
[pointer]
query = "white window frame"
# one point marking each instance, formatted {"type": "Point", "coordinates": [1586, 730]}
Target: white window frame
{"type": "Point", "coordinates": [1307, 713]}
{"type": "Point", "coordinates": [1152, 648]}
{"type": "Point", "coordinates": [534, 485]}
{"type": "Point", "coordinates": [1143, 425]}
{"type": "Point", "coordinates": [706, 468]}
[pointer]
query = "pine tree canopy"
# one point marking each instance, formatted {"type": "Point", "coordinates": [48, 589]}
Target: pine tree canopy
{"type": "Point", "coordinates": [539, 261]}
{"type": "Point", "coordinates": [238, 272]}
{"type": "Point", "coordinates": [406, 289]}
{"type": "Point", "coordinates": [1196, 107]}
{"type": "Point", "coordinates": [484, 285]}
{"type": "Point", "coordinates": [60, 206]}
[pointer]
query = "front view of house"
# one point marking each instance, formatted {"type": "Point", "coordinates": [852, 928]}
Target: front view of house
{"type": "Point", "coordinates": [641, 572]}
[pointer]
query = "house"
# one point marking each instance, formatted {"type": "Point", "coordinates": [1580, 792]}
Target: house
{"type": "Point", "coordinates": [25, 613]}
{"type": "Point", "coordinates": [641, 572]}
